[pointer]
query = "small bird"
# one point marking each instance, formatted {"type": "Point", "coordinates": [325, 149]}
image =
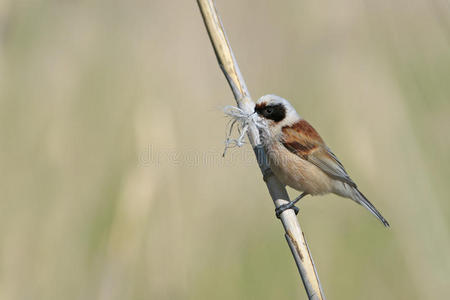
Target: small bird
{"type": "Point", "coordinates": [299, 157]}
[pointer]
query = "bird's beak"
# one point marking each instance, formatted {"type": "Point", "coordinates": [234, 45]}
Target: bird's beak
{"type": "Point", "coordinates": [250, 115]}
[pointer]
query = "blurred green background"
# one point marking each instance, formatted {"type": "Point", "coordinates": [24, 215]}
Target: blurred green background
{"type": "Point", "coordinates": [112, 182]}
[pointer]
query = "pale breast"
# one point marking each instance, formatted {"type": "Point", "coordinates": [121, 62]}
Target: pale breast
{"type": "Point", "coordinates": [296, 172]}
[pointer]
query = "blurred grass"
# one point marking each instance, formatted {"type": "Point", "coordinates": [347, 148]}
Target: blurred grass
{"type": "Point", "coordinates": [113, 185]}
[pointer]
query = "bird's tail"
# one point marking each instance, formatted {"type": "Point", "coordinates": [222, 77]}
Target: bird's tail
{"type": "Point", "coordinates": [361, 199]}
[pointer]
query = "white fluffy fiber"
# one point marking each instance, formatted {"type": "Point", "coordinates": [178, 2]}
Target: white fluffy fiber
{"type": "Point", "coordinates": [242, 121]}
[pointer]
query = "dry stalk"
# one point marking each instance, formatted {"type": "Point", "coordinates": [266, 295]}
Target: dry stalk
{"type": "Point", "coordinates": [294, 235]}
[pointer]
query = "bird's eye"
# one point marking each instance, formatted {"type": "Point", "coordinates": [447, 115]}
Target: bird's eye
{"type": "Point", "coordinates": [269, 110]}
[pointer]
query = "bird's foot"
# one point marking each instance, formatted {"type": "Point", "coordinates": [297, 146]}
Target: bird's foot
{"type": "Point", "coordinates": [267, 173]}
{"type": "Point", "coordinates": [290, 205]}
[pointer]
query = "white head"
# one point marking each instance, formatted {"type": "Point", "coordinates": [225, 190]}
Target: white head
{"type": "Point", "coordinates": [277, 112]}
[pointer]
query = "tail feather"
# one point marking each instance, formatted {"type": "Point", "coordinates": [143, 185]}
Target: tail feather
{"type": "Point", "coordinates": [361, 199]}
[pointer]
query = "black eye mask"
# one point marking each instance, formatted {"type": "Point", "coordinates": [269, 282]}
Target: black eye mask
{"type": "Point", "coordinates": [275, 112]}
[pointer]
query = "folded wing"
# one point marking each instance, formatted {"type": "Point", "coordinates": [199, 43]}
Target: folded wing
{"type": "Point", "coordinates": [303, 140]}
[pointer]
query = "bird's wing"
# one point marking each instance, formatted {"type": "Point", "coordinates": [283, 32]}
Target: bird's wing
{"type": "Point", "coordinates": [303, 140]}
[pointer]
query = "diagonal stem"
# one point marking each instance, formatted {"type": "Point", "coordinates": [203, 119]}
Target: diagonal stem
{"type": "Point", "coordinates": [294, 235]}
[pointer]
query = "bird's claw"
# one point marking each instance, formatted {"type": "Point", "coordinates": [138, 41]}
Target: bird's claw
{"type": "Point", "coordinates": [267, 173]}
{"type": "Point", "coordinates": [280, 209]}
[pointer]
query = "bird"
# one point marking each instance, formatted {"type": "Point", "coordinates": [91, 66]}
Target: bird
{"type": "Point", "coordinates": [299, 157]}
